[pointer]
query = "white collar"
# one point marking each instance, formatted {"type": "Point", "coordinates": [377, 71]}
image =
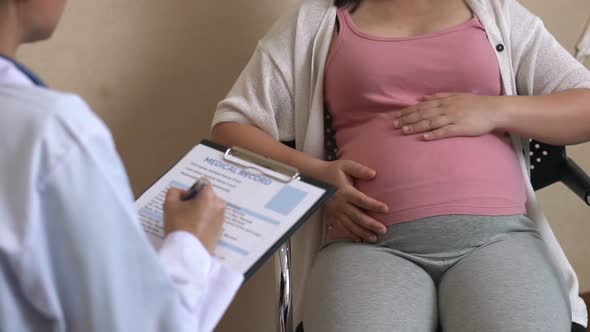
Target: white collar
{"type": "Point", "coordinates": [11, 75]}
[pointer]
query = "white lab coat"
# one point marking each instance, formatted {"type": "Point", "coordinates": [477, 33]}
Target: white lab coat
{"type": "Point", "coordinates": [72, 253]}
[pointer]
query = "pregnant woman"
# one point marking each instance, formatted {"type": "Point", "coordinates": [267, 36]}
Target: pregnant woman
{"type": "Point", "coordinates": [432, 103]}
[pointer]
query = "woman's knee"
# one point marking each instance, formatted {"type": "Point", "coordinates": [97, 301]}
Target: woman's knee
{"type": "Point", "coordinates": [359, 287]}
{"type": "Point", "coordinates": [510, 285]}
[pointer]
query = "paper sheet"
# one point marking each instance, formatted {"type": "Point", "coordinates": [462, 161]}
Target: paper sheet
{"type": "Point", "coordinates": [260, 209]}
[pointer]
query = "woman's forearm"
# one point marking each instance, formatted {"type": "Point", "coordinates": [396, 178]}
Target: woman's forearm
{"type": "Point", "coordinates": [255, 140]}
{"type": "Point", "coordinates": [560, 119]}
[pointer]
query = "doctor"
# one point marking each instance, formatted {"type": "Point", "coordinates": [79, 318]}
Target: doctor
{"type": "Point", "coordinates": [72, 254]}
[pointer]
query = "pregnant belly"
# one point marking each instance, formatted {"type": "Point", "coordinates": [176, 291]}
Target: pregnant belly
{"type": "Point", "coordinates": [450, 176]}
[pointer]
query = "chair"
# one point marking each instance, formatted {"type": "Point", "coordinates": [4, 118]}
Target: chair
{"type": "Point", "coordinates": [549, 164]}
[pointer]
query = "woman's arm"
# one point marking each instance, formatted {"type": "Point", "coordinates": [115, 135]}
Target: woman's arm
{"type": "Point", "coordinates": [561, 118]}
{"type": "Point", "coordinates": [256, 140]}
{"type": "Point", "coordinates": [560, 111]}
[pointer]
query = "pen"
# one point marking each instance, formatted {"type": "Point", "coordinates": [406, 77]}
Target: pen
{"type": "Point", "coordinates": [194, 190]}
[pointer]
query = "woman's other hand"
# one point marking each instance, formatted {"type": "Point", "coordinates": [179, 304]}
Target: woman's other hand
{"type": "Point", "coordinates": [450, 115]}
{"type": "Point", "coordinates": [345, 211]}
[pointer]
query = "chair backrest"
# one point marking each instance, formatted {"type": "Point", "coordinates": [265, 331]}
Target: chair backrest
{"type": "Point", "coordinates": [546, 164]}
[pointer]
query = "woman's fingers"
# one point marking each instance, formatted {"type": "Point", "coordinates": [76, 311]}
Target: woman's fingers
{"type": "Point", "coordinates": [427, 125]}
{"type": "Point", "coordinates": [353, 217]}
{"type": "Point", "coordinates": [438, 96]}
{"type": "Point", "coordinates": [359, 231]}
{"type": "Point", "coordinates": [363, 201]}
{"type": "Point", "coordinates": [357, 171]}
{"type": "Point", "coordinates": [338, 231]}
{"type": "Point", "coordinates": [347, 233]}
{"type": "Point", "coordinates": [365, 221]}
{"type": "Point", "coordinates": [423, 111]}
{"type": "Point", "coordinates": [445, 132]}
{"type": "Point", "coordinates": [343, 213]}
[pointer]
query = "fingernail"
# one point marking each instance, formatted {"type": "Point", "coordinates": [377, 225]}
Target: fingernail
{"type": "Point", "coordinates": [406, 129]}
{"type": "Point", "coordinates": [427, 136]}
{"type": "Point", "coordinates": [383, 230]}
{"type": "Point", "coordinates": [396, 123]}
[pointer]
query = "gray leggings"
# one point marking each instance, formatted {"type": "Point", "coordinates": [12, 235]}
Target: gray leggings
{"type": "Point", "coordinates": [466, 273]}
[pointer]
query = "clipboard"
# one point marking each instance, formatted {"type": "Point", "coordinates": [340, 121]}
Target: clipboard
{"type": "Point", "coordinates": [241, 175]}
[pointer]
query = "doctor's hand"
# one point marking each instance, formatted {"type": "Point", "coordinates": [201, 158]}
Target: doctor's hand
{"type": "Point", "coordinates": [450, 115]}
{"type": "Point", "coordinates": [202, 216]}
{"type": "Point", "coordinates": [345, 212]}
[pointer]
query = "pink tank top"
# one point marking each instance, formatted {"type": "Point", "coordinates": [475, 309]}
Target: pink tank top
{"type": "Point", "coordinates": [369, 79]}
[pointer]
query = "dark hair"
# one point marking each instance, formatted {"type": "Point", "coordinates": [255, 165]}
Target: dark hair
{"type": "Point", "coordinates": [352, 3]}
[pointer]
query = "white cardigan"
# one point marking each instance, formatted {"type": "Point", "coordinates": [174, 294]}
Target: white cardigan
{"type": "Point", "coordinates": [281, 92]}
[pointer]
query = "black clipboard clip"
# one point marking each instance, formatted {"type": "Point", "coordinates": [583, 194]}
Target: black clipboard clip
{"type": "Point", "coordinates": [269, 167]}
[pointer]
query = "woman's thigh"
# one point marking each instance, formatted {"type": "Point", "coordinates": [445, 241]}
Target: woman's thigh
{"type": "Point", "coordinates": [356, 287]}
{"type": "Point", "coordinates": [509, 285]}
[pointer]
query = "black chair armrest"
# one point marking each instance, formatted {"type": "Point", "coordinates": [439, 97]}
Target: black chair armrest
{"type": "Point", "coordinates": [300, 328]}
{"type": "Point", "coordinates": [576, 179]}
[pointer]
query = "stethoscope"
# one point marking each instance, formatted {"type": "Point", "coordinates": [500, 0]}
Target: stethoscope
{"type": "Point", "coordinates": [26, 71]}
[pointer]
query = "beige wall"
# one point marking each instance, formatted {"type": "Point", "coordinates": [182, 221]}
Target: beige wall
{"type": "Point", "coordinates": [154, 71]}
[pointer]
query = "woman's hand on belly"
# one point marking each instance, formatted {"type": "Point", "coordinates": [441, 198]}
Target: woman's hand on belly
{"type": "Point", "coordinates": [446, 115]}
{"type": "Point", "coordinates": [345, 211]}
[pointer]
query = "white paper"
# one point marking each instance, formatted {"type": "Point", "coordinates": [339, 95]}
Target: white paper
{"type": "Point", "coordinates": [259, 209]}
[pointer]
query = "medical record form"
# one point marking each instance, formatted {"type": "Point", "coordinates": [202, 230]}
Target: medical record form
{"type": "Point", "coordinates": [266, 201]}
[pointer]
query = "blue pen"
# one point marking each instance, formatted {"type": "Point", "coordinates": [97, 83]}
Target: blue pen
{"type": "Point", "coordinates": [194, 190]}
